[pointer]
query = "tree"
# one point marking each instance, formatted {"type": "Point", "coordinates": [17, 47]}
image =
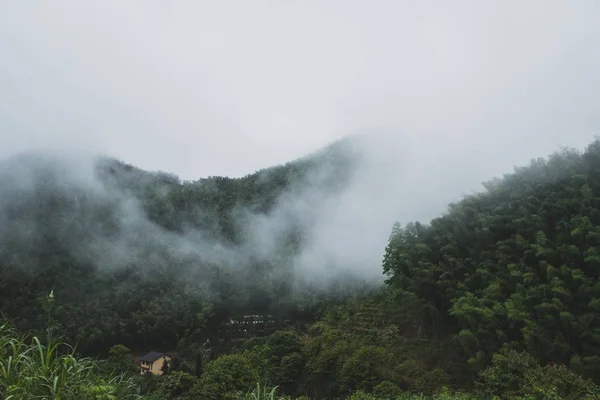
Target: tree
{"type": "Point", "coordinates": [165, 368]}
{"type": "Point", "coordinates": [120, 359]}
{"type": "Point", "coordinates": [518, 375]}
{"type": "Point", "coordinates": [224, 377]}
{"type": "Point", "coordinates": [175, 385]}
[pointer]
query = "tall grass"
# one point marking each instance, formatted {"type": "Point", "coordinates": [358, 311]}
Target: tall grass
{"type": "Point", "coordinates": [32, 370]}
{"type": "Point", "coordinates": [262, 393]}
{"type": "Point", "coordinates": [265, 393]}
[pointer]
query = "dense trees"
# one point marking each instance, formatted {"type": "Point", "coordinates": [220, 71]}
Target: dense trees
{"type": "Point", "coordinates": [144, 260]}
{"type": "Point", "coordinates": [498, 298]}
{"type": "Point", "coordinates": [515, 265]}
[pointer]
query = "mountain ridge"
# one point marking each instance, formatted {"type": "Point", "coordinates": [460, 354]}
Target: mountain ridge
{"type": "Point", "coordinates": [74, 226]}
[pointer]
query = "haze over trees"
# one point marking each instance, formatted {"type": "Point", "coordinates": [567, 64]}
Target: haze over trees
{"type": "Point", "coordinates": [499, 296]}
{"type": "Point", "coordinates": [142, 258]}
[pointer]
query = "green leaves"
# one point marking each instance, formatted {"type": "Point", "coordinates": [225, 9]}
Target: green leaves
{"type": "Point", "coordinates": [38, 371]}
{"type": "Point", "coordinates": [515, 375]}
{"type": "Point", "coordinates": [225, 377]}
{"type": "Point", "coordinates": [517, 263]}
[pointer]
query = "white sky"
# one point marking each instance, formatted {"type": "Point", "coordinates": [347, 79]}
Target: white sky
{"type": "Point", "coordinates": [226, 87]}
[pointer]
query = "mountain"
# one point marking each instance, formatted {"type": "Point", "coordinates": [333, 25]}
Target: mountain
{"type": "Point", "coordinates": [497, 298]}
{"type": "Point", "coordinates": [143, 259]}
{"type": "Point", "coordinates": [515, 266]}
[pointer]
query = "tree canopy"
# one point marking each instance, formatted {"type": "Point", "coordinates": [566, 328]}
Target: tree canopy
{"type": "Point", "coordinates": [498, 298]}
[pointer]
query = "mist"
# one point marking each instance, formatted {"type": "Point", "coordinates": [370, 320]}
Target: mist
{"type": "Point", "coordinates": [66, 198]}
{"type": "Point", "coordinates": [443, 97]}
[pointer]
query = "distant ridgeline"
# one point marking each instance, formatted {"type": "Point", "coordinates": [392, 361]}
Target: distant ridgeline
{"type": "Point", "coordinates": [124, 249]}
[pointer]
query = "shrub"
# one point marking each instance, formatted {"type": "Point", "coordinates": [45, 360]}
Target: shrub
{"type": "Point", "coordinates": [30, 369]}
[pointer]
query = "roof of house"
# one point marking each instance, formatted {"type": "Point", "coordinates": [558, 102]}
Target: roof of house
{"type": "Point", "coordinates": [152, 356]}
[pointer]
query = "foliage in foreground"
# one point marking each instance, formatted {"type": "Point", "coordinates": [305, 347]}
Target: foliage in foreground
{"type": "Point", "coordinates": [507, 279]}
{"type": "Point", "coordinates": [267, 393]}
{"type": "Point", "coordinates": [531, 390]}
{"type": "Point", "coordinates": [352, 370]}
{"type": "Point", "coordinates": [30, 369]}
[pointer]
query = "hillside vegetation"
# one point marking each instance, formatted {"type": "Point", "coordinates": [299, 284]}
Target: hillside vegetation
{"type": "Point", "coordinates": [145, 260]}
{"type": "Point", "coordinates": [515, 266]}
{"type": "Point", "coordinates": [498, 298]}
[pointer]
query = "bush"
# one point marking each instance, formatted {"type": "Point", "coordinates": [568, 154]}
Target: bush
{"type": "Point", "coordinates": [513, 374]}
{"type": "Point", "coordinates": [175, 385]}
{"type": "Point", "coordinates": [225, 377]}
{"type": "Point", "coordinates": [31, 369]}
{"type": "Point", "coordinates": [261, 393]}
{"type": "Point", "coordinates": [387, 390]}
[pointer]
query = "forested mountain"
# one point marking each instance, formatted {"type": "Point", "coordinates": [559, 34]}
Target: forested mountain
{"type": "Point", "coordinates": [515, 266]}
{"type": "Point", "coordinates": [498, 298]}
{"type": "Point", "coordinates": [143, 259]}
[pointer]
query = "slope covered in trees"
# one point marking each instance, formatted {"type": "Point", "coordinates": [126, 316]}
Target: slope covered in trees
{"type": "Point", "coordinates": [497, 298]}
{"type": "Point", "coordinates": [146, 260]}
{"type": "Point", "coordinates": [516, 266]}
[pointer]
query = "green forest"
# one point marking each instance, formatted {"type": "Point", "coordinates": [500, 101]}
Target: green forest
{"type": "Point", "coordinates": [497, 298]}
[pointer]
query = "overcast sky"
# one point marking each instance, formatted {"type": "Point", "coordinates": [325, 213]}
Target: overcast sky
{"type": "Point", "coordinates": [226, 87]}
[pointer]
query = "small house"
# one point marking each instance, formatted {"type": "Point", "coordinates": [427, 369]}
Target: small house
{"type": "Point", "coordinates": [153, 362]}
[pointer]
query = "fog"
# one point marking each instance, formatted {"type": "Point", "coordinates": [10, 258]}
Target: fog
{"type": "Point", "coordinates": [447, 95]}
